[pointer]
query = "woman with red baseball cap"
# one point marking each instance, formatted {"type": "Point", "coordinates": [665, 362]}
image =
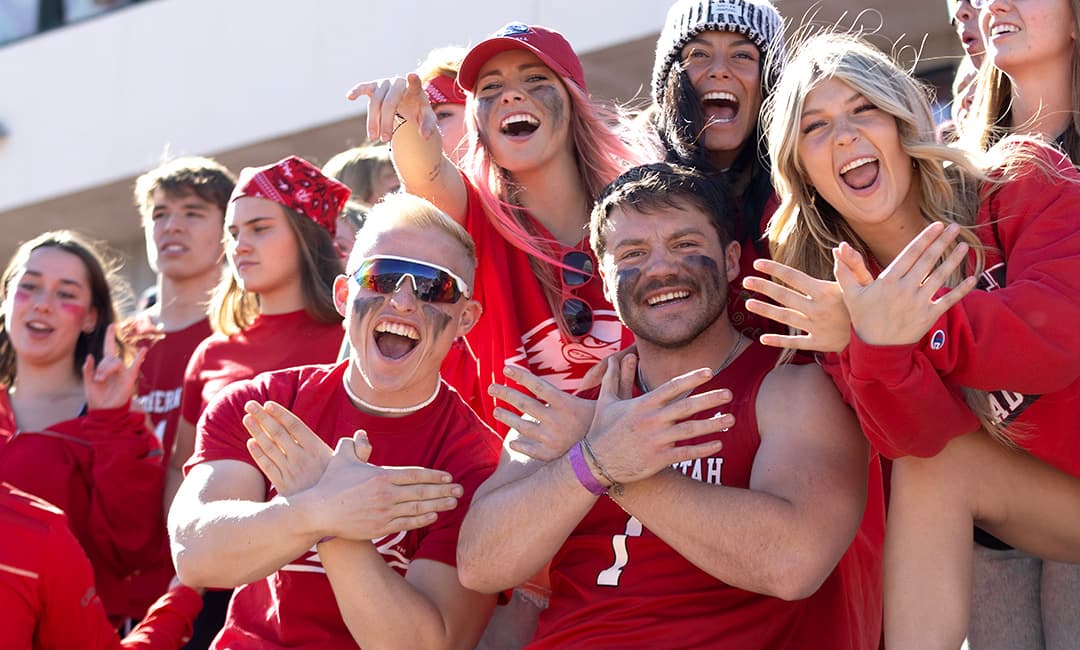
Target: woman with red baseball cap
{"type": "Point", "coordinates": [539, 151]}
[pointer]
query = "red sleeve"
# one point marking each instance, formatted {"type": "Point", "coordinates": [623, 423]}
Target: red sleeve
{"type": "Point", "coordinates": [1021, 336]}
{"type": "Point", "coordinates": [72, 615]}
{"type": "Point", "coordinates": [904, 407]}
{"type": "Point", "coordinates": [220, 433]}
{"type": "Point", "coordinates": [126, 479]}
{"type": "Point", "coordinates": [167, 623]}
{"type": "Point", "coordinates": [191, 405]}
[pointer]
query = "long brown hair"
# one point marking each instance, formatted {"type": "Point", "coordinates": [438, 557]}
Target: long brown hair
{"type": "Point", "coordinates": [107, 292]}
{"type": "Point", "coordinates": [232, 309]}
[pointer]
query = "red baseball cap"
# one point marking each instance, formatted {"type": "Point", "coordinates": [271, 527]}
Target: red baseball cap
{"type": "Point", "coordinates": [547, 44]}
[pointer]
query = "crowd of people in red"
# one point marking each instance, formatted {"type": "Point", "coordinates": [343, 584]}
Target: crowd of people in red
{"type": "Point", "coordinates": [777, 363]}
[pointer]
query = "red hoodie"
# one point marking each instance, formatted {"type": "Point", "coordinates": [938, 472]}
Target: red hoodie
{"type": "Point", "coordinates": [1014, 336]}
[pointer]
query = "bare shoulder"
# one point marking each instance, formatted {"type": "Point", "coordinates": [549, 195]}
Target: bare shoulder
{"type": "Point", "coordinates": [801, 382]}
{"type": "Point", "coordinates": [803, 395]}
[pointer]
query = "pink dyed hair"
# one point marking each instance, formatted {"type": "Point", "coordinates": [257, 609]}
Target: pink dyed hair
{"type": "Point", "coordinates": [605, 144]}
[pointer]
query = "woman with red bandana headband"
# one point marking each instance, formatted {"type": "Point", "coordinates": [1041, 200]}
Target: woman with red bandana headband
{"type": "Point", "coordinates": [67, 430]}
{"type": "Point", "coordinates": [539, 151]}
{"type": "Point", "coordinates": [274, 307]}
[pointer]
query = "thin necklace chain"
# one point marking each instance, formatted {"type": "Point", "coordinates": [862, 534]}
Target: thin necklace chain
{"type": "Point", "coordinates": [723, 364]}
{"type": "Point", "coordinates": [389, 410]}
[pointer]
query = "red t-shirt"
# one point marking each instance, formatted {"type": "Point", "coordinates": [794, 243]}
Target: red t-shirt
{"type": "Point", "coordinates": [47, 591]}
{"type": "Point", "coordinates": [161, 378]}
{"type": "Point", "coordinates": [272, 342]}
{"type": "Point", "coordinates": [104, 470]}
{"type": "Point", "coordinates": [518, 327]}
{"type": "Point", "coordinates": [1015, 336]}
{"type": "Point", "coordinates": [615, 584]}
{"type": "Point", "coordinates": [295, 606]}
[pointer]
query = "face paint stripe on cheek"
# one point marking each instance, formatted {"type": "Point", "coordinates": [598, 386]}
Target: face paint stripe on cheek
{"type": "Point", "coordinates": [439, 319]}
{"type": "Point", "coordinates": [361, 307]}
{"type": "Point", "coordinates": [549, 98]}
{"type": "Point", "coordinates": [484, 107]}
{"type": "Point", "coordinates": [21, 295]}
{"type": "Point", "coordinates": [73, 309]}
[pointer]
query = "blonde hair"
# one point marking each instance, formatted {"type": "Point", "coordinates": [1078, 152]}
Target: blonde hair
{"type": "Point", "coordinates": [805, 228]}
{"type": "Point", "coordinates": [406, 210]}
{"type": "Point", "coordinates": [989, 119]}
{"type": "Point", "coordinates": [359, 168]}
{"type": "Point", "coordinates": [444, 61]}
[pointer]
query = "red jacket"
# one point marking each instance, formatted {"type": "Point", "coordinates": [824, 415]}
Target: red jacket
{"type": "Point", "coordinates": [104, 470]}
{"type": "Point", "coordinates": [47, 591]}
{"type": "Point", "coordinates": [1014, 336]}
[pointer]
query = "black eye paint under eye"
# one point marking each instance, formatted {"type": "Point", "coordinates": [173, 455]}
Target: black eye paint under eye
{"type": "Point", "coordinates": [364, 306]}
{"type": "Point", "coordinates": [625, 281]}
{"type": "Point", "coordinates": [549, 98]}
{"type": "Point", "coordinates": [712, 269]}
{"type": "Point", "coordinates": [440, 320]}
{"type": "Point", "coordinates": [484, 106]}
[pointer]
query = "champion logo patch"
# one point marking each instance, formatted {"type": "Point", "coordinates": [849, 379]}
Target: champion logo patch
{"type": "Point", "coordinates": [937, 341]}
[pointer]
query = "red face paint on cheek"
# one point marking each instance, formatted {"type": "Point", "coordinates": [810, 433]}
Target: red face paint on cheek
{"type": "Point", "coordinates": [72, 309]}
{"type": "Point", "coordinates": [21, 295]}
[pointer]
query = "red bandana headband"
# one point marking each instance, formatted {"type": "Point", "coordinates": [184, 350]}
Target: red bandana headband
{"type": "Point", "coordinates": [296, 184]}
{"type": "Point", "coordinates": [443, 90]}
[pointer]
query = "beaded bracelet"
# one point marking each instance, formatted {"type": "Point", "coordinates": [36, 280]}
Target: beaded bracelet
{"type": "Point", "coordinates": [615, 486]}
{"type": "Point", "coordinates": [582, 472]}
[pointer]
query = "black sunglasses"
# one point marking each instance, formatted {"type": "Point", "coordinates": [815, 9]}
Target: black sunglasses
{"type": "Point", "coordinates": [577, 270]}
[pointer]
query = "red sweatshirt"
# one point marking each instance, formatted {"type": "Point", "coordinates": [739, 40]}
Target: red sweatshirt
{"type": "Point", "coordinates": [1014, 336]}
{"type": "Point", "coordinates": [104, 470]}
{"type": "Point", "coordinates": [47, 591]}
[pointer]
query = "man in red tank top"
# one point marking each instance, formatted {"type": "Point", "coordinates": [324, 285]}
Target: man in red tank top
{"type": "Point", "coordinates": [712, 498]}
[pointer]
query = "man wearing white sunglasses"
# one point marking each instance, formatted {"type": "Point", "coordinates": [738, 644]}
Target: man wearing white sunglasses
{"type": "Point", "coordinates": [353, 545]}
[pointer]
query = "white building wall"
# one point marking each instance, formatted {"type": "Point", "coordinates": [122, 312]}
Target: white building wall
{"type": "Point", "coordinates": [100, 101]}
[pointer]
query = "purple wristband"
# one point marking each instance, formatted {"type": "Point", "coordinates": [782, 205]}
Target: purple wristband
{"type": "Point", "coordinates": [582, 472]}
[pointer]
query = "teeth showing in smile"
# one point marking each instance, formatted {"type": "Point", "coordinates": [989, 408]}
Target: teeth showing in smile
{"type": "Point", "coordinates": [38, 327]}
{"type": "Point", "coordinates": [665, 297]}
{"type": "Point", "coordinates": [854, 164]}
{"type": "Point", "coordinates": [1004, 28]}
{"type": "Point", "coordinates": [719, 95]}
{"type": "Point", "coordinates": [399, 329]}
{"type": "Point", "coordinates": [519, 123]}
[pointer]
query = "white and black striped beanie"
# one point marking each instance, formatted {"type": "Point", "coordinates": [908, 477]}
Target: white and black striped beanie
{"type": "Point", "coordinates": [758, 20]}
